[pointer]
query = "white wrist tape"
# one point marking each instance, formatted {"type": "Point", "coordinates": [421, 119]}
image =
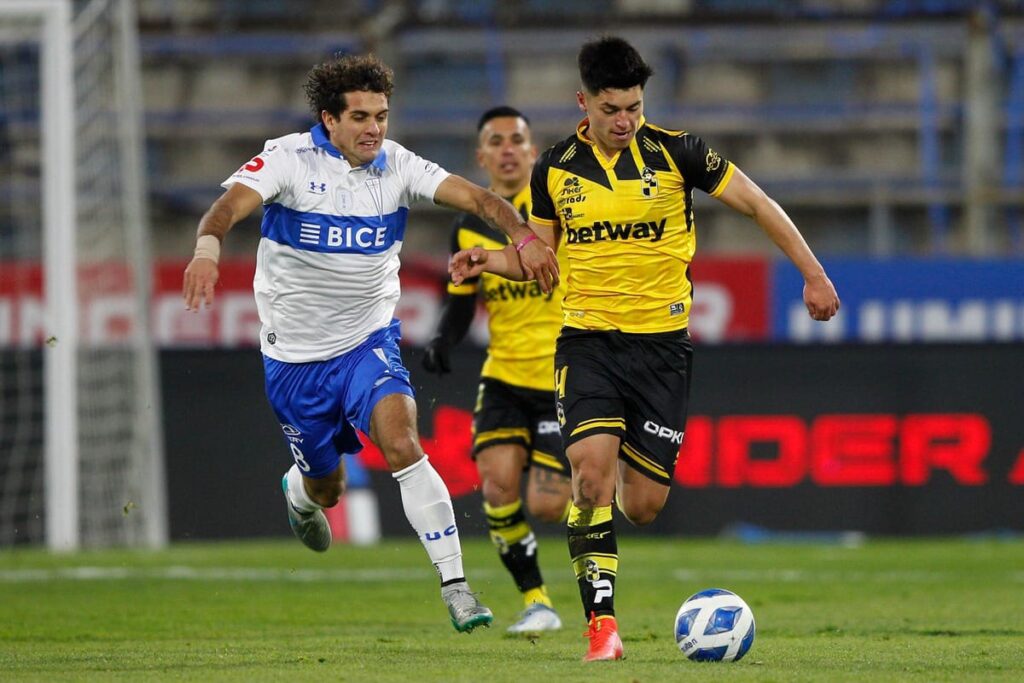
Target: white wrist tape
{"type": "Point", "coordinates": [207, 246]}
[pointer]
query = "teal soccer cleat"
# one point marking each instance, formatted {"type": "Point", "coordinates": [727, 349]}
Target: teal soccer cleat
{"type": "Point", "coordinates": [311, 528]}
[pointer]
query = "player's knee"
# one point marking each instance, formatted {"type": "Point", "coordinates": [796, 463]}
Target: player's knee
{"type": "Point", "coordinates": [593, 484]}
{"type": "Point", "coordinates": [401, 451]}
{"type": "Point", "coordinates": [498, 492]}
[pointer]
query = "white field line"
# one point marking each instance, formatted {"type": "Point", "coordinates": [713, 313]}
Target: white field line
{"type": "Point", "coordinates": [378, 575]}
{"type": "Point", "coordinates": [185, 573]}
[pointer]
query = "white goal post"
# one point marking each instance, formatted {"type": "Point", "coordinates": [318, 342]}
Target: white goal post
{"type": "Point", "coordinates": [70, 125]}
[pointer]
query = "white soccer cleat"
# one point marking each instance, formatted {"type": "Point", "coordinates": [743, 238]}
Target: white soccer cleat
{"type": "Point", "coordinates": [463, 607]}
{"type": "Point", "coordinates": [311, 528]}
{"type": "Point", "coordinates": [536, 618]}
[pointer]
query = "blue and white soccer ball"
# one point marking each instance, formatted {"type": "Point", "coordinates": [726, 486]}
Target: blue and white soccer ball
{"type": "Point", "coordinates": [714, 625]}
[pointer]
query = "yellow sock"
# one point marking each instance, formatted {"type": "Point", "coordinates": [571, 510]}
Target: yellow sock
{"type": "Point", "coordinates": [539, 594]}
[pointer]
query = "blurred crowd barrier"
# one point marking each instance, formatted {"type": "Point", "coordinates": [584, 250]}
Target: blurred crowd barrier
{"type": "Point", "coordinates": [884, 127]}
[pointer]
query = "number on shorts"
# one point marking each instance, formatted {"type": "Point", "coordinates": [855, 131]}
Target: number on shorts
{"type": "Point", "coordinates": [300, 460]}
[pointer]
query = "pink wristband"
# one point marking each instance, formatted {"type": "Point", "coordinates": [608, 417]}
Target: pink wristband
{"type": "Point", "coordinates": [526, 240]}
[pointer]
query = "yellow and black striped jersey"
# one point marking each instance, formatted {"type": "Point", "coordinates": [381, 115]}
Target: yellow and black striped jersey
{"type": "Point", "coordinates": [523, 321]}
{"type": "Point", "coordinates": [627, 225]}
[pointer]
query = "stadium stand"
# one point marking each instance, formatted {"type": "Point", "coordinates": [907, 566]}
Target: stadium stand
{"type": "Point", "coordinates": [852, 117]}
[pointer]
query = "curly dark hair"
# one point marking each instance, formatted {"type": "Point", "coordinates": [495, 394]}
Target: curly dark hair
{"type": "Point", "coordinates": [611, 62]}
{"type": "Point", "coordinates": [327, 83]}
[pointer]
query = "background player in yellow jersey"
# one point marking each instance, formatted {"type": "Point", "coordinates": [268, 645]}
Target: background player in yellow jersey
{"type": "Point", "coordinates": [618, 193]}
{"type": "Point", "coordinates": [515, 427]}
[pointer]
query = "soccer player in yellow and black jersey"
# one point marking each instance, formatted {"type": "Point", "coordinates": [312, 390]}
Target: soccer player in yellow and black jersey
{"type": "Point", "coordinates": [515, 427]}
{"type": "Point", "coordinates": [619, 195]}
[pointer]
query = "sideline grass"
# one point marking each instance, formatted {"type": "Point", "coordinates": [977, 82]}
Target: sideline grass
{"type": "Point", "coordinates": [931, 610]}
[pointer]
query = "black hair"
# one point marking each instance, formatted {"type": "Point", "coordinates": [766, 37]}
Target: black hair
{"type": "Point", "coordinates": [611, 62]}
{"type": "Point", "coordinates": [327, 83]}
{"type": "Point", "coordinates": [498, 112]}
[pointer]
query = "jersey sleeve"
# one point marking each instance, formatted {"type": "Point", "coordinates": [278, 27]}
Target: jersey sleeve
{"type": "Point", "coordinates": [267, 172]}
{"type": "Point", "coordinates": [701, 166]}
{"type": "Point", "coordinates": [420, 177]}
{"type": "Point", "coordinates": [542, 210]}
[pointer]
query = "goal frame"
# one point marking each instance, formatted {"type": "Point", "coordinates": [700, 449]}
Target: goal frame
{"type": "Point", "coordinates": [62, 456]}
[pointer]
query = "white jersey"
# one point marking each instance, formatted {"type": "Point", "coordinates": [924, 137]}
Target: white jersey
{"type": "Point", "coordinates": [327, 265]}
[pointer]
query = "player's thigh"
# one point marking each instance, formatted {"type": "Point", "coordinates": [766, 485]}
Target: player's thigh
{"type": "Point", "coordinates": [500, 417]}
{"type": "Point", "coordinates": [379, 398]}
{"type": "Point", "coordinates": [656, 394]}
{"type": "Point", "coordinates": [311, 416]}
{"type": "Point", "coordinates": [548, 486]}
{"type": "Point", "coordinates": [587, 398]}
{"type": "Point", "coordinates": [594, 469]}
{"type": "Point", "coordinates": [393, 430]}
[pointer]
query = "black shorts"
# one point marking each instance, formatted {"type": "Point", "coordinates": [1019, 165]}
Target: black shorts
{"type": "Point", "coordinates": [635, 386]}
{"type": "Point", "coordinates": [506, 414]}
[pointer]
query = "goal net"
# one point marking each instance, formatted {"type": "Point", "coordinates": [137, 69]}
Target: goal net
{"type": "Point", "coordinates": [80, 443]}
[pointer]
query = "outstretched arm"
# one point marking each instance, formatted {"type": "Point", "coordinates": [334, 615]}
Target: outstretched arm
{"type": "Point", "coordinates": [536, 262]}
{"type": "Point", "coordinates": [201, 274]}
{"type": "Point", "coordinates": [745, 196]}
{"type": "Point", "coordinates": [504, 262]}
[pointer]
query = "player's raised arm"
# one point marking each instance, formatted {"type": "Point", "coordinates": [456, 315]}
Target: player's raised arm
{"type": "Point", "coordinates": [745, 196]}
{"type": "Point", "coordinates": [201, 274]}
{"type": "Point", "coordinates": [469, 263]}
{"type": "Point", "coordinates": [535, 256]}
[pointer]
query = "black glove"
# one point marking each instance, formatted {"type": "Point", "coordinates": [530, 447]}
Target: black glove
{"type": "Point", "coordinates": [436, 356]}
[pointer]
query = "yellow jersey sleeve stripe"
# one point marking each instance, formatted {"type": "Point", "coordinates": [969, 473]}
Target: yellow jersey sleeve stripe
{"type": "Point", "coordinates": [464, 289]}
{"type": "Point", "coordinates": [643, 460]}
{"type": "Point", "coordinates": [543, 221]}
{"type": "Point", "coordinates": [726, 177]}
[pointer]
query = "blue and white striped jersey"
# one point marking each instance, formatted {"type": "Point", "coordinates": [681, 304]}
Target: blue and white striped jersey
{"type": "Point", "coordinates": [327, 264]}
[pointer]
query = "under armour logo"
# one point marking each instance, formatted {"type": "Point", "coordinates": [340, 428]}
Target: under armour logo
{"type": "Point", "coordinates": [318, 188]}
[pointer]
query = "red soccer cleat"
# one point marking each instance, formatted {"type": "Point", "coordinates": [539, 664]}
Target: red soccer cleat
{"type": "Point", "coordinates": [605, 644]}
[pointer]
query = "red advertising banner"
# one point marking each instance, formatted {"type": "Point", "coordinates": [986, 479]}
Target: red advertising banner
{"type": "Point", "coordinates": [730, 304]}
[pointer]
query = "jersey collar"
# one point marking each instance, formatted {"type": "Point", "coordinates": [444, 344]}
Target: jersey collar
{"type": "Point", "coordinates": [322, 140]}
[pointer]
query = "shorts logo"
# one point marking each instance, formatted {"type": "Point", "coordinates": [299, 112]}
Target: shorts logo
{"type": "Point", "coordinates": [289, 430]}
{"type": "Point", "coordinates": [547, 427]}
{"type": "Point", "coordinates": [663, 432]}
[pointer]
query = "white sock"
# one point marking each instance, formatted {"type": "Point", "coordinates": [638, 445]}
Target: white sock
{"type": "Point", "coordinates": [428, 507]}
{"type": "Point", "coordinates": [297, 495]}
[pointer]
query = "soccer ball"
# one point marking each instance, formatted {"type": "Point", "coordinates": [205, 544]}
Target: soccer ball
{"type": "Point", "coordinates": [714, 625]}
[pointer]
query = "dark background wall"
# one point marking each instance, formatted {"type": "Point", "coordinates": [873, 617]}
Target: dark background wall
{"type": "Point", "coordinates": [883, 439]}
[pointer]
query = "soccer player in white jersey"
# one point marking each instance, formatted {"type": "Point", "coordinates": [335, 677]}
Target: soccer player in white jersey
{"type": "Point", "coordinates": [336, 199]}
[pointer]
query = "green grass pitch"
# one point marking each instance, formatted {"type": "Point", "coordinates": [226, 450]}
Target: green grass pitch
{"type": "Point", "coordinates": [919, 610]}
